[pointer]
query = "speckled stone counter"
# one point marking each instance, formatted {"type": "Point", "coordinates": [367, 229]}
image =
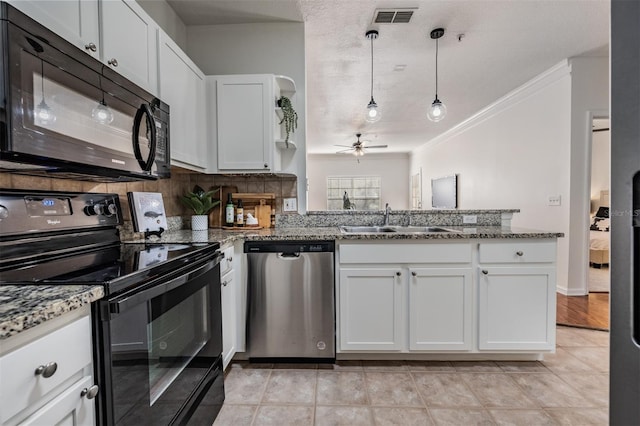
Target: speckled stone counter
{"type": "Point", "coordinates": [25, 306]}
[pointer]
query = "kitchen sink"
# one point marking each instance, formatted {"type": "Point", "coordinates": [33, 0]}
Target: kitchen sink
{"type": "Point", "coordinates": [387, 229]}
{"type": "Point", "coordinates": [367, 229]}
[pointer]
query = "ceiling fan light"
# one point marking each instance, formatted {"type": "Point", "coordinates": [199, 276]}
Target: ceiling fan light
{"type": "Point", "coordinates": [437, 111]}
{"type": "Point", "coordinates": [373, 112]}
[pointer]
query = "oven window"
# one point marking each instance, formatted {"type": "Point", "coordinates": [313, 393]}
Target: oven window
{"type": "Point", "coordinates": [175, 338]}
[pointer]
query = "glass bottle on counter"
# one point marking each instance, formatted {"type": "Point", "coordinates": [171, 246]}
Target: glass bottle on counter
{"type": "Point", "coordinates": [240, 214]}
{"type": "Point", "coordinates": [229, 211]}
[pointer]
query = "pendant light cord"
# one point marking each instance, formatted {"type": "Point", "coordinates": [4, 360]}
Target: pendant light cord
{"type": "Point", "coordinates": [42, 76]}
{"type": "Point", "coordinates": [436, 68]}
{"type": "Point", "coordinates": [371, 37]}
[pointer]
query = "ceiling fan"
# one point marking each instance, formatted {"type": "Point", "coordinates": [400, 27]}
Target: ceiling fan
{"type": "Point", "coordinates": [358, 147]}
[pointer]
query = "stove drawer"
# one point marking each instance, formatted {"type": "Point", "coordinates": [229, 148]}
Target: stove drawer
{"type": "Point", "coordinates": [35, 373]}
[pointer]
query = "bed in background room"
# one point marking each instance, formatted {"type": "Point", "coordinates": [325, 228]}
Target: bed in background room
{"type": "Point", "coordinates": [599, 233]}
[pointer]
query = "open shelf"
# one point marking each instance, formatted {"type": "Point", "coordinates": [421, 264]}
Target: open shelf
{"type": "Point", "coordinates": [286, 83]}
{"type": "Point", "coordinates": [280, 143]}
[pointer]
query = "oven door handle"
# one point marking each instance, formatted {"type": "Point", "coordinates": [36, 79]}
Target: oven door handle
{"type": "Point", "coordinates": [122, 304]}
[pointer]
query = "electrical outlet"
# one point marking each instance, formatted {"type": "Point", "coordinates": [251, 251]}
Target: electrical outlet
{"type": "Point", "coordinates": [290, 205]}
{"type": "Point", "coordinates": [554, 200]}
{"type": "Point", "coordinates": [469, 219]}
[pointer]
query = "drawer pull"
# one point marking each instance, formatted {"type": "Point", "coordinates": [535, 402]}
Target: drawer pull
{"type": "Point", "coordinates": [398, 273]}
{"type": "Point", "coordinates": [91, 46]}
{"type": "Point", "coordinates": [113, 62]}
{"type": "Point", "coordinates": [413, 273]}
{"type": "Point", "coordinates": [46, 371]}
{"type": "Point", "coordinates": [230, 259]}
{"type": "Point", "coordinates": [224, 283]}
{"type": "Point", "coordinates": [484, 271]}
{"type": "Point", "coordinates": [520, 253]}
{"type": "Point", "coordinates": [90, 393]}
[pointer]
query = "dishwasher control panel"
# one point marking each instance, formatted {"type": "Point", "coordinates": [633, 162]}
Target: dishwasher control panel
{"type": "Point", "coordinates": [289, 246]}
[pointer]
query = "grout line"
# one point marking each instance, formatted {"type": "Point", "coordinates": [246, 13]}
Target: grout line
{"type": "Point", "coordinates": [424, 403]}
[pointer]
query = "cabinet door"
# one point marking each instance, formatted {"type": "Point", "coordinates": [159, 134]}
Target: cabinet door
{"type": "Point", "coordinates": [68, 409]}
{"type": "Point", "coordinates": [182, 86]}
{"type": "Point", "coordinates": [129, 42]}
{"type": "Point", "coordinates": [371, 309]}
{"type": "Point", "coordinates": [517, 308]}
{"type": "Point", "coordinates": [440, 309]}
{"type": "Point", "coordinates": [229, 295]}
{"type": "Point", "coordinates": [74, 20]}
{"type": "Point", "coordinates": [245, 120]}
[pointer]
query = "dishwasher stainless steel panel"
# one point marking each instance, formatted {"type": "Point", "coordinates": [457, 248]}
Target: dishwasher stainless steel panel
{"type": "Point", "coordinates": [291, 300]}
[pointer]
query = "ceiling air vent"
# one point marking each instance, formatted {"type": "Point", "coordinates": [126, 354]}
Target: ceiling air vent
{"type": "Point", "coordinates": [393, 16]}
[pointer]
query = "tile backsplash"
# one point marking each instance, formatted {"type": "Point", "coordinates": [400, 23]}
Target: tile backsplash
{"type": "Point", "coordinates": [171, 189]}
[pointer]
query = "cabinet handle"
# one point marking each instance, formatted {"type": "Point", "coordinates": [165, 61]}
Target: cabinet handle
{"type": "Point", "coordinates": [398, 273]}
{"type": "Point", "coordinates": [46, 371]}
{"type": "Point", "coordinates": [91, 46]}
{"type": "Point", "coordinates": [90, 393]}
{"type": "Point", "coordinates": [413, 273]}
{"type": "Point", "coordinates": [266, 166]}
{"type": "Point", "coordinates": [484, 271]}
{"type": "Point", "coordinates": [224, 283]}
{"type": "Point", "coordinates": [520, 253]}
{"type": "Point", "coordinates": [230, 259]}
{"type": "Point", "coordinates": [113, 62]}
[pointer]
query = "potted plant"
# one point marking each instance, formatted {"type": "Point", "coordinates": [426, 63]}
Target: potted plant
{"type": "Point", "coordinates": [289, 117]}
{"type": "Point", "coordinates": [201, 202]}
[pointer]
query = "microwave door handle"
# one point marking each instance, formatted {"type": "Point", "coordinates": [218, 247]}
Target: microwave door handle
{"type": "Point", "coordinates": [144, 112]}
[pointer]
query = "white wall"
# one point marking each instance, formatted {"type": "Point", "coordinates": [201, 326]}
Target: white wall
{"type": "Point", "coordinates": [600, 166]}
{"type": "Point", "coordinates": [393, 170]}
{"type": "Point", "coordinates": [269, 48]}
{"type": "Point", "coordinates": [169, 21]}
{"type": "Point", "coordinates": [589, 98]}
{"type": "Point", "coordinates": [513, 154]}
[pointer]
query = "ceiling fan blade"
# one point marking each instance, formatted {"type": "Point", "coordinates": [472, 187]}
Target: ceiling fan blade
{"type": "Point", "coordinates": [376, 146]}
{"type": "Point", "coordinates": [344, 151]}
{"type": "Point", "coordinates": [346, 146]}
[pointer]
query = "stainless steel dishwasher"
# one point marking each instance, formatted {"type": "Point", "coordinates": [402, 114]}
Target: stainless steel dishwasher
{"type": "Point", "coordinates": [290, 312]}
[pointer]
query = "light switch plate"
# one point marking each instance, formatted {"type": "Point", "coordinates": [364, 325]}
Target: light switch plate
{"type": "Point", "coordinates": [470, 219]}
{"type": "Point", "coordinates": [554, 200]}
{"type": "Point", "coordinates": [290, 205]}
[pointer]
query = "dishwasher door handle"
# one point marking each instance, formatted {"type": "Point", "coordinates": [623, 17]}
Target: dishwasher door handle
{"type": "Point", "coordinates": [289, 255]}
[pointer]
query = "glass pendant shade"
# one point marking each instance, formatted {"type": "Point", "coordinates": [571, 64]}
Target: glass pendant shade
{"type": "Point", "coordinates": [44, 114]}
{"type": "Point", "coordinates": [102, 113]}
{"type": "Point", "coordinates": [373, 112]}
{"type": "Point", "coordinates": [437, 111]}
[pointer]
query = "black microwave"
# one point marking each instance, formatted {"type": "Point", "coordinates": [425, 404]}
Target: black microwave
{"type": "Point", "coordinates": [65, 114]}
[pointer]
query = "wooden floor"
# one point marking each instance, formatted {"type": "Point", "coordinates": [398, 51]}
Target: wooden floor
{"type": "Point", "coordinates": [590, 311]}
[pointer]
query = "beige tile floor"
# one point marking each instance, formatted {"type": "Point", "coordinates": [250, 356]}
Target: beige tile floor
{"type": "Point", "coordinates": [569, 387]}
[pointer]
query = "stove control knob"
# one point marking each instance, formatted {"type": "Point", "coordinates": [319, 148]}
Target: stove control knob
{"type": "Point", "coordinates": [4, 212]}
{"type": "Point", "coordinates": [93, 210]}
{"type": "Point", "coordinates": [111, 210]}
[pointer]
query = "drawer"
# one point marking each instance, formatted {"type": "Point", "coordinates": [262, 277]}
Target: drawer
{"type": "Point", "coordinates": [69, 347]}
{"type": "Point", "coordinates": [518, 252]}
{"type": "Point", "coordinates": [406, 253]}
{"type": "Point", "coordinates": [227, 262]}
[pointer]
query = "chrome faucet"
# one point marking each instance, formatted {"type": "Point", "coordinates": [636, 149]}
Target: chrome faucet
{"type": "Point", "coordinates": [387, 210]}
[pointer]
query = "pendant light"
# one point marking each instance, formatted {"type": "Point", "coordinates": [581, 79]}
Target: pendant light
{"type": "Point", "coordinates": [438, 110]}
{"type": "Point", "coordinates": [373, 112]}
{"type": "Point", "coordinates": [101, 112]}
{"type": "Point", "coordinates": [43, 112]}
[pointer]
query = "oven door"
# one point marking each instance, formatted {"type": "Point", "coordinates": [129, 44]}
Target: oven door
{"type": "Point", "coordinates": [68, 116]}
{"type": "Point", "coordinates": [160, 351]}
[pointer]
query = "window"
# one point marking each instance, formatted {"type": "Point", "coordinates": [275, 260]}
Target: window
{"type": "Point", "coordinates": [363, 192]}
{"type": "Point", "coordinates": [416, 191]}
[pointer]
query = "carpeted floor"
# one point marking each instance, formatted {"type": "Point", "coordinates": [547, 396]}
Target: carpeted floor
{"type": "Point", "coordinates": [599, 281]}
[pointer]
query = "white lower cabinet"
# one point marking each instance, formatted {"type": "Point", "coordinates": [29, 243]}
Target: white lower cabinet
{"type": "Point", "coordinates": [229, 295]}
{"type": "Point", "coordinates": [440, 309]}
{"type": "Point", "coordinates": [517, 309]}
{"type": "Point", "coordinates": [371, 309]}
{"type": "Point", "coordinates": [49, 380]}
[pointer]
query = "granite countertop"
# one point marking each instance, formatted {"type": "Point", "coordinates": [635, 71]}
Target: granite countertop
{"type": "Point", "coordinates": [25, 306]}
{"type": "Point", "coordinates": [334, 233]}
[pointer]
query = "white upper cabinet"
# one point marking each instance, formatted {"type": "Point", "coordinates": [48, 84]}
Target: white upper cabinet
{"type": "Point", "coordinates": [245, 135]}
{"type": "Point", "coordinates": [182, 86]}
{"type": "Point", "coordinates": [74, 20]}
{"type": "Point", "coordinates": [129, 42]}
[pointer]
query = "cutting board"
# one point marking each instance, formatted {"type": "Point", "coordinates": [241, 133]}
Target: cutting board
{"type": "Point", "coordinates": [263, 214]}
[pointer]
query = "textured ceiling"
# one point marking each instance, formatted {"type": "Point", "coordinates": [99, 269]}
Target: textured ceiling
{"type": "Point", "coordinates": [505, 44]}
